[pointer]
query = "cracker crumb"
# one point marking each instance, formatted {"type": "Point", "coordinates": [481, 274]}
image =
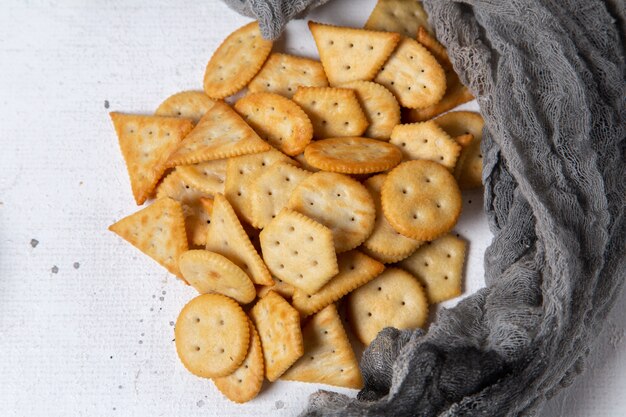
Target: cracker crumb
{"type": "Point", "coordinates": [54, 269]}
{"type": "Point", "coordinates": [106, 104]}
{"type": "Point", "coordinates": [34, 243]}
{"type": "Point", "coordinates": [76, 265]}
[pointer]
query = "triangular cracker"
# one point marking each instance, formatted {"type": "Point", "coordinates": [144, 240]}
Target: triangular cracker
{"type": "Point", "coordinates": [438, 265]}
{"type": "Point", "coordinates": [208, 177]}
{"type": "Point", "coordinates": [402, 16]}
{"type": "Point", "coordinates": [350, 54]}
{"type": "Point", "coordinates": [158, 231]}
{"type": "Point", "coordinates": [221, 133]}
{"type": "Point", "coordinates": [355, 269]}
{"type": "Point", "coordinates": [188, 104]}
{"type": "Point", "coordinates": [227, 237]}
{"type": "Point", "coordinates": [328, 356]}
{"type": "Point", "coordinates": [426, 140]}
{"type": "Point", "coordinates": [146, 143]}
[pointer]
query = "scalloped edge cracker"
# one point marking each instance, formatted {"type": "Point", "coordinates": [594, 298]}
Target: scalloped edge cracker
{"type": "Point", "coordinates": [435, 48]}
{"type": "Point", "coordinates": [188, 104]}
{"type": "Point", "coordinates": [208, 177]}
{"type": "Point", "coordinates": [402, 16]}
{"type": "Point", "coordinates": [426, 140]}
{"type": "Point", "coordinates": [282, 288]}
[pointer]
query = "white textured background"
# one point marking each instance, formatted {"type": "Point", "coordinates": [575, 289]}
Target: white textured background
{"type": "Point", "coordinates": [85, 319]}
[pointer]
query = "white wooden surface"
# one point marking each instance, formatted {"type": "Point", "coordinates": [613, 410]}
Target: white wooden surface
{"type": "Point", "coordinates": [86, 321]}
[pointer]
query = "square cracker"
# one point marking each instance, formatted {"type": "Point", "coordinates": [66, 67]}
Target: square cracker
{"type": "Point", "coordinates": [283, 74]}
{"type": "Point", "coordinates": [328, 357]}
{"type": "Point", "coordinates": [428, 141]}
{"type": "Point", "coordinates": [221, 133]}
{"type": "Point", "coordinates": [278, 325]}
{"type": "Point", "coordinates": [402, 16]}
{"type": "Point", "coordinates": [146, 143]}
{"type": "Point", "coordinates": [227, 237]}
{"type": "Point", "coordinates": [299, 251]}
{"type": "Point", "coordinates": [438, 265]}
{"type": "Point", "coordinates": [355, 269]}
{"type": "Point", "coordinates": [208, 177]}
{"type": "Point", "coordinates": [350, 54]}
{"type": "Point", "coordinates": [158, 231]}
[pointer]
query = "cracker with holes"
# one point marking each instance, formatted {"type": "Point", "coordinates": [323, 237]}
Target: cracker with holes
{"type": "Point", "coordinates": [227, 237]}
{"type": "Point", "coordinates": [212, 336]}
{"type": "Point", "coordinates": [333, 111]}
{"type": "Point", "coordinates": [439, 267]}
{"type": "Point", "coordinates": [385, 244]}
{"type": "Point", "coordinates": [355, 269]}
{"type": "Point", "coordinates": [245, 383]}
{"type": "Point", "coordinates": [339, 203]}
{"type": "Point", "coordinates": [413, 75]}
{"type": "Point", "coordinates": [271, 190]}
{"type": "Point", "coordinates": [146, 143]}
{"type": "Point", "coordinates": [427, 141]}
{"type": "Point", "coordinates": [352, 155]}
{"type": "Point", "coordinates": [435, 48]}
{"type": "Point", "coordinates": [328, 356]}
{"type": "Point", "coordinates": [421, 199]}
{"type": "Point", "coordinates": [158, 231]}
{"type": "Point", "coordinates": [380, 106]}
{"type": "Point", "coordinates": [240, 174]}
{"type": "Point", "coordinates": [210, 272]}
{"type": "Point", "coordinates": [393, 299]}
{"type": "Point", "coordinates": [283, 74]}
{"type": "Point", "coordinates": [278, 325]}
{"type": "Point", "coordinates": [299, 251]}
{"type": "Point", "coordinates": [221, 133]}
{"type": "Point", "coordinates": [197, 219]}
{"type": "Point", "coordinates": [236, 61]}
{"type": "Point", "coordinates": [281, 287]}
{"type": "Point", "coordinates": [402, 16]}
{"type": "Point", "coordinates": [208, 177]}
{"type": "Point", "coordinates": [188, 104]}
{"type": "Point", "coordinates": [278, 120]}
{"type": "Point", "coordinates": [350, 54]}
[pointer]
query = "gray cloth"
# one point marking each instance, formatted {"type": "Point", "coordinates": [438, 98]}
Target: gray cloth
{"type": "Point", "coordinates": [549, 78]}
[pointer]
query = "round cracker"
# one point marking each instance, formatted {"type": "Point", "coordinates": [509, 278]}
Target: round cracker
{"type": "Point", "coordinates": [339, 203]}
{"type": "Point", "coordinates": [352, 155]}
{"type": "Point", "coordinates": [245, 383]}
{"type": "Point", "coordinates": [457, 123]}
{"type": "Point", "coordinates": [188, 104]}
{"type": "Point", "coordinates": [210, 272]}
{"type": "Point", "coordinates": [421, 199]}
{"type": "Point", "coordinates": [212, 336]}
{"type": "Point", "coordinates": [393, 299]}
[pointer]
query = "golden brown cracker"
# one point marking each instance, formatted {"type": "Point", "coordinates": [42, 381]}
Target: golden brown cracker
{"type": "Point", "coordinates": [464, 140]}
{"type": "Point", "coordinates": [212, 336]}
{"type": "Point", "coordinates": [333, 111]}
{"type": "Point", "coordinates": [236, 61]}
{"type": "Point", "coordinates": [402, 16]}
{"type": "Point", "coordinates": [208, 177]}
{"type": "Point", "coordinates": [435, 48]}
{"type": "Point", "coordinates": [158, 231]}
{"type": "Point", "coordinates": [328, 357]}
{"type": "Point", "coordinates": [281, 287]}
{"type": "Point", "coordinates": [301, 160]}
{"type": "Point", "coordinates": [421, 199]}
{"type": "Point", "coordinates": [278, 325]}
{"type": "Point", "coordinates": [456, 123]}
{"type": "Point", "coordinates": [146, 143]}
{"type": "Point", "coordinates": [350, 54]}
{"type": "Point", "coordinates": [427, 141]}
{"type": "Point", "coordinates": [456, 94]}
{"type": "Point", "coordinates": [188, 104]}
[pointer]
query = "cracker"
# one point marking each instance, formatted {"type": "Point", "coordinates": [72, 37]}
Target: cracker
{"type": "Point", "coordinates": [158, 231]}
{"type": "Point", "coordinates": [402, 16]}
{"type": "Point", "coordinates": [421, 199]}
{"type": "Point", "coordinates": [227, 237]}
{"type": "Point", "coordinates": [352, 155]}
{"type": "Point", "coordinates": [300, 159]}
{"type": "Point", "coordinates": [333, 111]}
{"type": "Point", "coordinates": [207, 204]}
{"type": "Point", "coordinates": [339, 203]}
{"type": "Point", "coordinates": [236, 61]}
{"type": "Point", "coordinates": [197, 219]}
{"type": "Point", "coordinates": [456, 123]}
{"type": "Point", "coordinates": [385, 244]}
{"type": "Point", "coordinates": [380, 106]}
{"type": "Point", "coordinates": [299, 251]}
{"type": "Point", "coordinates": [438, 265]}
{"type": "Point", "coordinates": [428, 141]}
{"type": "Point", "coordinates": [328, 356]}
{"type": "Point", "coordinates": [146, 143]}
{"type": "Point", "coordinates": [281, 338]}
{"type": "Point", "coordinates": [210, 272]}
{"type": "Point", "coordinates": [393, 299]}
{"type": "Point", "coordinates": [350, 54]}
{"type": "Point", "coordinates": [355, 269]}
{"type": "Point", "coordinates": [245, 383]}
{"type": "Point", "coordinates": [281, 287]}
{"type": "Point", "coordinates": [221, 133]}
{"type": "Point", "coordinates": [434, 47]}
{"type": "Point", "coordinates": [464, 140]}
{"type": "Point", "coordinates": [208, 177]}
{"type": "Point", "coordinates": [241, 172]}
{"type": "Point", "coordinates": [271, 190]}
{"type": "Point", "coordinates": [278, 120]}
{"type": "Point", "coordinates": [283, 74]}
{"type": "Point", "coordinates": [413, 75]}
{"type": "Point", "coordinates": [188, 104]}
{"type": "Point", "coordinates": [212, 336]}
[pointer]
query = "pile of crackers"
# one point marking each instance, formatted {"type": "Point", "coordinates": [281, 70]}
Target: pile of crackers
{"type": "Point", "coordinates": [307, 205]}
